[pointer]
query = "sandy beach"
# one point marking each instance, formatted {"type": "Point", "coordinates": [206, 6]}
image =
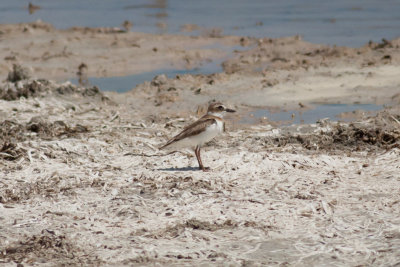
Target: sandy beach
{"type": "Point", "coordinates": [82, 181]}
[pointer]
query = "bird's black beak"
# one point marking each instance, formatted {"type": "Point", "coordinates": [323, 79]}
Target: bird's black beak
{"type": "Point", "coordinates": [230, 110]}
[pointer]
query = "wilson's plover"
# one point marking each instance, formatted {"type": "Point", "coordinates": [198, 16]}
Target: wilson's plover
{"type": "Point", "coordinates": [201, 131]}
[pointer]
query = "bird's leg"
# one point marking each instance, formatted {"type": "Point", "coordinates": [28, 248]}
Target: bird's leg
{"type": "Point", "coordinates": [197, 152]}
{"type": "Point", "coordinates": [201, 167]}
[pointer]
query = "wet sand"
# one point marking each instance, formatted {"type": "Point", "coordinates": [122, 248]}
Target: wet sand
{"type": "Point", "coordinates": [84, 183]}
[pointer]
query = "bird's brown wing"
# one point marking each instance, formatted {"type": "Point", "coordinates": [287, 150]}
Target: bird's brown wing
{"type": "Point", "coordinates": [193, 129]}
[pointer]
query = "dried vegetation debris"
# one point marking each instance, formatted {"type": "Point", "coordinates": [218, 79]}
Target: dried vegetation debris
{"type": "Point", "coordinates": [50, 186]}
{"type": "Point", "coordinates": [14, 91]}
{"type": "Point", "coordinates": [48, 247]}
{"type": "Point", "coordinates": [11, 151]}
{"type": "Point", "coordinates": [10, 134]}
{"type": "Point", "coordinates": [25, 27]}
{"type": "Point", "coordinates": [40, 88]}
{"type": "Point", "coordinates": [178, 229]}
{"type": "Point", "coordinates": [11, 130]}
{"type": "Point", "coordinates": [195, 224]}
{"type": "Point", "coordinates": [292, 53]}
{"type": "Point", "coordinates": [40, 127]}
{"type": "Point", "coordinates": [19, 84]}
{"type": "Point", "coordinates": [18, 73]}
{"type": "Point", "coordinates": [13, 133]}
{"type": "Point", "coordinates": [49, 130]}
{"type": "Point", "coordinates": [380, 132]}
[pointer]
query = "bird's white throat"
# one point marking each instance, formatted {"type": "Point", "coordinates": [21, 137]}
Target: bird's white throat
{"type": "Point", "coordinates": [217, 114]}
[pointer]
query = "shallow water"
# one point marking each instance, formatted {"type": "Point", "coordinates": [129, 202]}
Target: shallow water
{"type": "Point", "coordinates": [123, 84]}
{"type": "Point", "coordinates": [330, 111]}
{"type": "Point", "coordinates": [341, 22]}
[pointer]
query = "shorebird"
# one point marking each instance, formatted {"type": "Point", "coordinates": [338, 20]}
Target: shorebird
{"type": "Point", "coordinates": [201, 131]}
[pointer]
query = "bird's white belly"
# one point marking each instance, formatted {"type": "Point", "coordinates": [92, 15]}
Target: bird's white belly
{"type": "Point", "coordinates": [201, 138]}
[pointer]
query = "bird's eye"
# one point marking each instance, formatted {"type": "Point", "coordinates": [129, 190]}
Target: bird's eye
{"type": "Point", "coordinates": [220, 107]}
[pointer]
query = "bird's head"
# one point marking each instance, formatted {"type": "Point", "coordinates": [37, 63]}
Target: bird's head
{"type": "Point", "coordinates": [218, 109]}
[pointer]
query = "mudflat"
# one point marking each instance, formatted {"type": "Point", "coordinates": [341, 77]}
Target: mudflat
{"type": "Point", "coordinates": [82, 180]}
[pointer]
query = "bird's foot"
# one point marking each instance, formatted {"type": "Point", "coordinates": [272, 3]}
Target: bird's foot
{"type": "Point", "coordinates": [205, 169]}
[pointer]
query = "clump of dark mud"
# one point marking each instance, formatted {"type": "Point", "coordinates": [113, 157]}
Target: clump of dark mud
{"type": "Point", "coordinates": [378, 133]}
{"type": "Point", "coordinates": [44, 247]}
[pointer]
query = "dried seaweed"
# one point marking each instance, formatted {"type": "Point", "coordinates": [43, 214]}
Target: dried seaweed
{"type": "Point", "coordinates": [57, 129]}
{"type": "Point", "coordinates": [39, 88]}
{"type": "Point", "coordinates": [47, 246]}
{"type": "Point", "coordinates": [11, 151]}
{"type": "Point", "coordinates": [342, 137]}
{"type": "Point", "coordinates": [18, 73]}
{"type": "Point", "coordinates": [11, 131]}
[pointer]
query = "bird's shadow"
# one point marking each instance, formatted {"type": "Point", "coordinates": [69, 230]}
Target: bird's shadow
{"type": "Point", "coordinates": [184, 169]}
